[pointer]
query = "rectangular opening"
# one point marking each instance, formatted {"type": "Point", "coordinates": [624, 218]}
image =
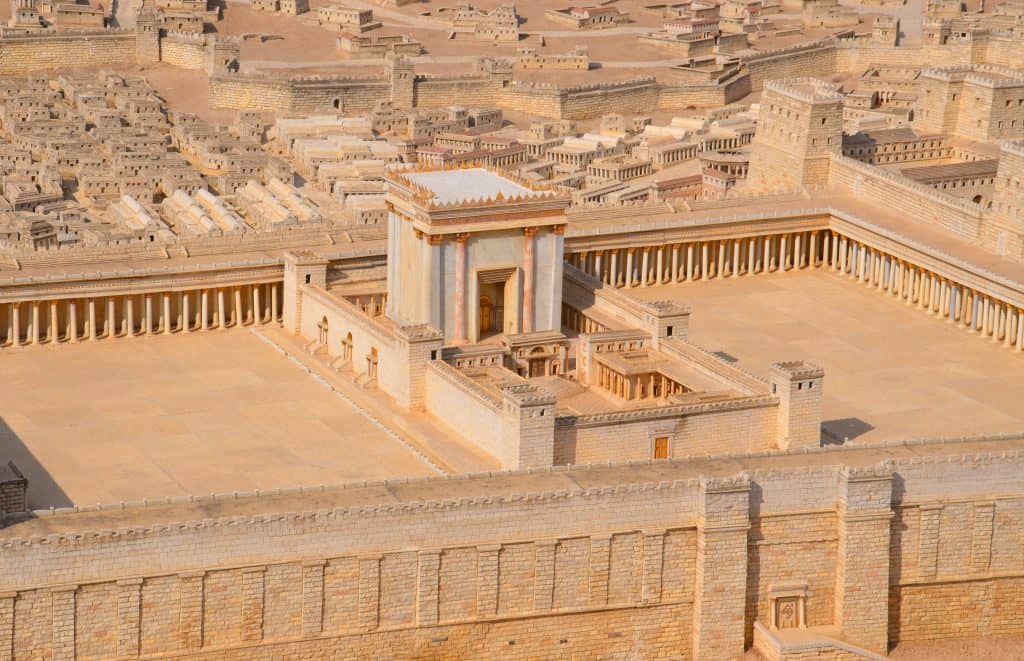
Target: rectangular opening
{"type": "Point", "coordinates": [661, 447]}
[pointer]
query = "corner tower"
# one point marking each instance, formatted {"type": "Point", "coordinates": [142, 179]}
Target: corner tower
{"type": "Point", "coordinates": [800, 127]}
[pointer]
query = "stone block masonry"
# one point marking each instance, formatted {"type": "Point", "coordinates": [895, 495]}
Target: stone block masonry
{"type": "Point", "coordinates": [65, 49]}
{"type": "Point", "coordinates": [670, 559]}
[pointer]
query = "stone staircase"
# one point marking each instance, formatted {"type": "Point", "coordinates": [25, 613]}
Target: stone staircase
{"type": "Point", "coordinates": [808, 644]}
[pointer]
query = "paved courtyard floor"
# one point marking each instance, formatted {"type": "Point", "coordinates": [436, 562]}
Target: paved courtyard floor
{"type": "Point", "coordinates": [891, 371]}
{"type": "Point", "coordinates": [209, 412]}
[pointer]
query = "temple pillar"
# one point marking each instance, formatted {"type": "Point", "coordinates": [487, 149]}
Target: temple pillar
{"type": "Point", "coordinates": [751, 256]}
{"type": "Point", "coordinates": [167, 325]}
{"type": "Point", "coordinates": [15, 324]}
{"type": "Point", "coordinates": [204, 310]}
{"type": "Point", "coordinates": [782, 252]}
{"type": "Point", "coordinates": [689, 262]}
{"type": "Point", "coordinates": [644, 266]}
{"type": "Point", "coordinates": [92, 319]}
{"type": "Point", "coordinates": [221, 323]}
{"type": "Point", "coordinates": [720, 265]}
{"type": "Point", "coordinates": [239, 317]}
{"type": "Point", "coordinates": [129, 313]}
{"type": "Point", "coordinates": [257, 310]}
{"type": "Point", "coordinates": [812, 250]}
{"type": "Point", "coordinates": [675, 264]}
{"type": "Point", "coordinates": [613, 271]}
{"type": "Point", "coordinates": [735, 267]}
{"type": "Point", "coordinates": [459, 330]}
{"type": "Point", "coordinates": [704, 260]}
{"type": "Point", "coordinates": [529, 278]}
{"type": "Point", "coordinates": [186, 323]}
{"type": "Point", "coordinates": [148, 321]}
{"type": "Point", "coordinates": [34, 335]}
{"type": "Point", "coordinates": [766, 255]}
{"type": "Point", "coordinates": [72, 322]}
{"type": "Point", "coordinates": [273, 302]}
{"type": "Point", "coordinates": [54, 333]}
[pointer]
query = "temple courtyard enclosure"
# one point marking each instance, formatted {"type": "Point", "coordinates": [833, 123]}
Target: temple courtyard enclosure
{"type": "Point", "coordinates": [891, 371]}
{"type": "Point", "coordinates": [215, 412]}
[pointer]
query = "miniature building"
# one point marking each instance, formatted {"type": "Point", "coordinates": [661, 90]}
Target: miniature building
{"type": "Point", "coordinates": [482, 278]}
{"type": "Point", "coordinates": [800, 126]}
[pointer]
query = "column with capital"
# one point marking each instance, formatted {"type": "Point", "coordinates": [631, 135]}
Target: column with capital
{"type": "Point", "coordinates": [111, 318]}
{"type": "Point", "coordinates": [645, 265]}
{"type": "Point", "coordinates": [186, 323]}
{"type": "Point", "coordinates": [129, 312]}
{"type": "Point", "coordinates": [529, 277]}
{"type": "Point", "coordinates": [459, 331]}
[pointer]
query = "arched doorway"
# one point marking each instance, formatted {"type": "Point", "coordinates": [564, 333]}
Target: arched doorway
{"type": "Point", "coordinates": [486, 314]}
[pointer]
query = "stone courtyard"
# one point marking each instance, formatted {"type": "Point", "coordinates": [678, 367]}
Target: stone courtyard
{"type": "Point", "coordinates": [893, 372]}
{"type": "Point", "coordinates": [175, 416]}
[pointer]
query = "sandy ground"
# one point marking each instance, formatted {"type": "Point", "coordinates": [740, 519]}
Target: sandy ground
{"type": "Point", "coordinates": [891, 372]}
{"type": "Point", "coordinates": [993, 648]}
{"type": "Point", "coordinates": [217, 411]}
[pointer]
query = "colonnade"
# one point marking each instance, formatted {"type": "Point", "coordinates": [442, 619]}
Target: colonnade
{"type": "Point", "coordinates": [653, 385]}
{"type": "Point", "coordinates": [934, 293]}
{"type": "Point", "coordinates": [108, 317]}
{"type": "Point", "coordinates": [702, 260]}
{"type": "Point", "coordinates": [930, 292]}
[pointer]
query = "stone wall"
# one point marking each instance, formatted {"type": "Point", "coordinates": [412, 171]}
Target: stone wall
{"type": "Point", "coordinates": [64, 49]}
{"type": "Point", "coordinates": [888, 190]}
{"type": "Point", "coordinates": [645, 560]}
{"type": "Point", "coordinates": [183, 50]}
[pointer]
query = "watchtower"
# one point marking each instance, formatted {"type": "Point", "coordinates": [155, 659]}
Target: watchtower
{"type": "Point", "coordinates": [147, 37]}
{"type": "Point", "coordinates": [797, 384]}
{"type": "Point", "coordinates": [800, 128]}
{"type": "Point", "coordinates": [403, 80]}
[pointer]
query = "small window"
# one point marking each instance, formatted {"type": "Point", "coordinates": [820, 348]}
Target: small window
{"type": "Point", "coordinates": [668, 331]}
{"type": "Point", "coordinates": [309, 278]}
{"type": "Point", "coordinates": [774, 388]}
{"type": "Point", "coordinates": [433, 354]}
{"type": "Point", "coordinates": [661, 447]}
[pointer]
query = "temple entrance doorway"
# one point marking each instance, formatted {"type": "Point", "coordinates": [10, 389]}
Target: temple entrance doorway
{"type": "Point", "coordinates": [539, 363]}
{"type": "Point", "coordinates": [491, 309]}
{"type": "Point", "coordinates": [486, 314]}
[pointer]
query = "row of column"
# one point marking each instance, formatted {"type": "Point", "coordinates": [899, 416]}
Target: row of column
{"type": "Point", "coordinates": [703, 260]}
{"type": "Point", "coordinates": [930, 292]}
{"type": "Point", "coordinates": [107, 317]}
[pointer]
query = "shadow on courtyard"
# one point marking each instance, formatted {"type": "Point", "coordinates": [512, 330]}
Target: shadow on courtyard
{"type": "Point", "coordinates": [837, 432]}
{"type": "Point", "coordinates": [43, 490]}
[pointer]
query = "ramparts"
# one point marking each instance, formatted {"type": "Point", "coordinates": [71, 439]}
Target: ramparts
{"type": "Point", "coordinates": [682, 554]}
{"type": "Point", "coordinates": [65, 49]}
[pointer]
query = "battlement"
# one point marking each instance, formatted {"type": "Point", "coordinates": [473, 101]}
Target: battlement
{"type": "Point", "coordinates": [987, 75]}
{"type": "Point", "coordinates": [428, 197]}
{"type": "Point", "coordinates": [798, 369]}
{"type": "Point", "coordinates": [808, 90]}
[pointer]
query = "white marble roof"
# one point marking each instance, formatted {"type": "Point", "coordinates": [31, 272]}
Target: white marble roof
{"type": "Point", "coordinates": [454, 186]}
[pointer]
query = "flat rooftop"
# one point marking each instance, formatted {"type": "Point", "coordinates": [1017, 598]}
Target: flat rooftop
{"type": "Point", "coordinates": [891, 371]}
{"type": "Point", "coordinates": [454, 186]}
{"type": "Point", "coordinates": [211, 412]}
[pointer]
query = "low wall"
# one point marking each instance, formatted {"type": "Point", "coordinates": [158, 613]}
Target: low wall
{"type": "Point", "coordinates": [454, 398]}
